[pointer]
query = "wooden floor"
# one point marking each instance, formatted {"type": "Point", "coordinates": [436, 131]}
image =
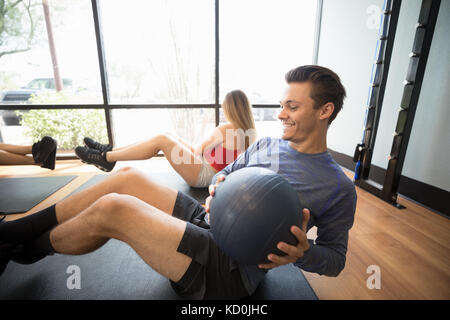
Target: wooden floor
{"type": "Point", "coordinates": [410, 246]}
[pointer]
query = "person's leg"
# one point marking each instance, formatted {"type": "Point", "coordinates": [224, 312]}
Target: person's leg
{"type": "Point", "coordinates": [128, 181]}
{"type": "Point", "coordinates": [8, 158]}
{"type": "Point", "coordinates": [181, 158]}
{"type": "Point", "coordinates": [154, 235]}
{"type": "Point", "coordinates": [182, 141]}
{"type": "Point", "coordinates": [101, 147]}
{"type": "Point", "coordinates": [141, 150]}
{"type": "Point", "coordinates": [125, 181]}
{"type": "Point", "coordinates": [43, 153]}
{"type": "Point", "coordinates": [23, 150]}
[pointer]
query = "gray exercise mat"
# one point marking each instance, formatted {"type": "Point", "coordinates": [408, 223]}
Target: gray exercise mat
{"type": "Point", "coordinates": [21, 194]}
{"type": "Point", "coordinates": [116, 272]}
{"type": "Point", "coordinates": [92, 181]}
{"type": "Point", "coordinates": [174, 180]}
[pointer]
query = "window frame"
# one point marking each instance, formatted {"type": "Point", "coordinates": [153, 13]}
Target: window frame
{"type": "Point", "coordinates": [107, 106]}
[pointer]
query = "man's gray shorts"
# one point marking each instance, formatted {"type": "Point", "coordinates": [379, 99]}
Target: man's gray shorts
{"type": "Point", "coordinates": [211, 274]}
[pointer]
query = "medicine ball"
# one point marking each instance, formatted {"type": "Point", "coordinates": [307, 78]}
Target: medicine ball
{"type": "Point", "coordinates": [252, 210]}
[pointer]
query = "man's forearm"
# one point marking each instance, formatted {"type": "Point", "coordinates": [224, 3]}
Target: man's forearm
{"type": "Point", "coordinates": [322, 260]}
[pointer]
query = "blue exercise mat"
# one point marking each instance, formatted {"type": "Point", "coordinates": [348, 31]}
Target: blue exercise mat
{"type": "Point", "coordinates": [19, 195]}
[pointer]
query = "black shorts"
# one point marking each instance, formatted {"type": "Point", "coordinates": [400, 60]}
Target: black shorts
{"type": "Point", "coordinates": [211, 274]}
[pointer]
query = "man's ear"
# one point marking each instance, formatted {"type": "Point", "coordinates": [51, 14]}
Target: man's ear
{"type": "Point", "coordinates": [327, 110]}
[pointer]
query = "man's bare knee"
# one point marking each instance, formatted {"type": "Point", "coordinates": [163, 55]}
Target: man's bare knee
{"type": "Point", "coordinates": [106, 210]}
{"type": "Point", "coordinates": [122, 173]}
{"type": "Point", "coordinates": [128, 175]}
{"type": "Point", "coordinates": [125, 170]}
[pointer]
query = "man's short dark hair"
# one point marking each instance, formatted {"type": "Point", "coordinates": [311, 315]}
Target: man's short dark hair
{"type": "Point", "coordinates": [325, 86]}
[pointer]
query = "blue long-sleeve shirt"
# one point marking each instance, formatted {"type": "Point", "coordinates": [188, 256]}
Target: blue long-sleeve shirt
{"type": "Point", "coordinates": [322, 187]}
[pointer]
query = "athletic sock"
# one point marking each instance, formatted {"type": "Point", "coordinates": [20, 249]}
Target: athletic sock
{"type": "Point", "coordinates": [28, 228]}
{"type": "Point", "coordinates": [35, 250]}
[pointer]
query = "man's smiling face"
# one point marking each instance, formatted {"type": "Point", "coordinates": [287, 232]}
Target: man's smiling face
{"type": "Point", "coordinates": [297, 114]}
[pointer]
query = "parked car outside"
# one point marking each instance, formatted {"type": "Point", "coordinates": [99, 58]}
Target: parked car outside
{"type": "Point", "coordinates": [22, 96]}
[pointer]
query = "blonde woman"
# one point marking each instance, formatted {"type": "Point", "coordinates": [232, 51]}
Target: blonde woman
{"type": "Point", "coordinates": [196, 164]}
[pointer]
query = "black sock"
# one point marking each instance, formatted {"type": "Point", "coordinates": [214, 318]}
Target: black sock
{"type": "Point", "coordinates": [27, 228]}
{"type": "Point", "coordinates": [35, 250]}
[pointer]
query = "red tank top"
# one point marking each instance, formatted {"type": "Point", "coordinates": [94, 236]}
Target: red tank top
{"type": "Point", "coordinates": [219, 157]}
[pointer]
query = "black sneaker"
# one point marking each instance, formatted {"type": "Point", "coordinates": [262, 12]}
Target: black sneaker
{"type": "Point", "coordinates": [44, 152]}
{"type": "Point", "coordinates": [95, 157]}
{"type": "Point", "coordinates": [49, 163]}
{"type": "Point", "coordinates": [97, 145]}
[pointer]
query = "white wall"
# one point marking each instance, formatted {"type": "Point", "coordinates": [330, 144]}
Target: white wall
{"type": "Point", "coordinates": [404, 38]}
{"type": "Point", "coordinates": [347, 46]}
{"type": "Point", "coordinates": [348, 38]}
{"type": "Point", "coordinates": [428, 155]}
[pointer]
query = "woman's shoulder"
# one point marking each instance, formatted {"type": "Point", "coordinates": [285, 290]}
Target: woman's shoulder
{"type": "Point", "coordinates": [225, 126]}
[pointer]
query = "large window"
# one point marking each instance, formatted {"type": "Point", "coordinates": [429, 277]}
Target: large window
{"type": "Point", "coordinates": [125, 71]}
{"type": "Point", "coordinates": [260, 40]}
{"type": "Point", "coordinates": [266, 122]}
{"type": "Point", "coordinates": [159, 51]}
{"type": "Point", "coordinates": [132, 125]}
{"type": "Point", "coordinates": [28, 58]}
{"type": "Point", "coordinates": [67, 126]}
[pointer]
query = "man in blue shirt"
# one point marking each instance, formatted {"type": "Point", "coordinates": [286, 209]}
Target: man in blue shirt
{"type": "Point", "coordinates": [169, 229]}
{"type": "Point", "coordinates": [312, 100]}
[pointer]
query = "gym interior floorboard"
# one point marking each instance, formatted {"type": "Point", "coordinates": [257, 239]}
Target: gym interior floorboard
{"type": "Point", "coordinates": [410, 246]}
